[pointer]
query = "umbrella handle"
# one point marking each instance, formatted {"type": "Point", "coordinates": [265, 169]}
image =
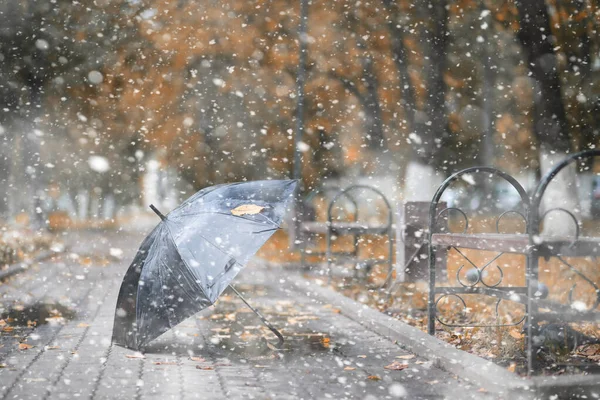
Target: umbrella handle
{"type": "Point", "coordinates": [263, 319]}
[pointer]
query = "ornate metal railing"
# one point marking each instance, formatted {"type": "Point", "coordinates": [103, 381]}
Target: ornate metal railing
{"type": "Point", "coordinates": [530, 244]}
{"type": "Point", "coordinates": [357, 229]}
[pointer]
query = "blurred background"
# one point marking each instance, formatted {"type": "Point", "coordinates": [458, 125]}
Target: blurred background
{"type": "Point", "coordinates": [107, 106]}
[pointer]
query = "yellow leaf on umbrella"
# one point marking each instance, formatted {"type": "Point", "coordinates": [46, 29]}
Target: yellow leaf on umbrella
{"type": "Point", "coordinates": [247, 209]}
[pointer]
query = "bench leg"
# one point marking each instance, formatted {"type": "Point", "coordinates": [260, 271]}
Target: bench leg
{"type": "Point", "coordinates": [388, 279]}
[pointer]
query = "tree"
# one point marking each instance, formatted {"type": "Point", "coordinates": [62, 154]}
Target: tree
{"type": "Point", "coordinates": [430, 128]}
{"type": "Point", "coordinates": [549, 120]}
{"type": "Point", "coordinates": [62, 54]}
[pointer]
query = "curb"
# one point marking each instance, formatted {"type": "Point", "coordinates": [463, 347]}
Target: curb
{"type": "Point", "coordinates": [483, 373]}
{"type": "Point", "coordinates": [23, 266]}
{"type": "Point", "coordinates": [567, 386]}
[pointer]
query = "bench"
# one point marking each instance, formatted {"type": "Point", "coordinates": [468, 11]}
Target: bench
{"type": "Point", "coordinates": [530, 244]}
{"type": "Point", "coordinates": [342, 222]}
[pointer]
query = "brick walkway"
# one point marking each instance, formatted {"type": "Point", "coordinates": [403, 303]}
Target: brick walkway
{"type": "Point", "coordinates": [220, 353]}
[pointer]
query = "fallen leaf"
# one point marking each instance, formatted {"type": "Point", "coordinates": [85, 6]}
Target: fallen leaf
{"type": "Point", "coordinates": [349, 369]}
{"type": "Point", "coordinates": [230, 317]}
{"type": "Point", "coordinates": [246, 209]}
{"type": "Point", "coordinates": [198, 359]}
{"type": "Point", "coordinates": [83, 325]}
{"type": "Point", "coordinates": [8, 329]}
{"type": "Point", "coordinates": [135, 355]}
{"type": "Point", "coordinates": [516, 334]}
{"type": "Point", "coordinates": [260, 366]}
{"type": "Point", "coordinates": [374, 378]}
{"type": "Point", "coordinates": [52, 347]}
{"type": "Point", "coordinates": [205, 368]}
{"type": "Point", "coordinates": [24, 346]}
{"type": "Point", "coordinates": [164, 363]}
{"type": "Point", "coordinates": [29, 380]}
{"type": "Point", "coordinates": [362, 356]}
{"type": "Point", "coordinates": [589, 351]}
{"type": "Point", "coordinates": [482, 390]}
{"type": "Point", "coordinates": [2, 322]}
{"type": "Point", "coordinates": [511, 367]}
{"type": "Point", "coordinates": [221, 330]}
{"type": "Point", "coordinates": [406, 357]}
{"type": "Point", "coordinates": [396, 366]}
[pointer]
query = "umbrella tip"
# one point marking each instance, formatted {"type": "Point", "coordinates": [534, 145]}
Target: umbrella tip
{"type": "Point", "coordinates": [157, 212]}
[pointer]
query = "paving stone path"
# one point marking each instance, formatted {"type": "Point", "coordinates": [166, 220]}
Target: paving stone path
{"type": "Point", "coordinates": [222, 353]}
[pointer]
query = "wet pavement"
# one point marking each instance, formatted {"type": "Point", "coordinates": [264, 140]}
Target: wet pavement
{"type": "Point", "coordinates": [58, 316]}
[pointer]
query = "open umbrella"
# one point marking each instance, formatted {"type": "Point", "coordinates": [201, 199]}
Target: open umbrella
{"type": "Point", "coordinates": [191, 257]}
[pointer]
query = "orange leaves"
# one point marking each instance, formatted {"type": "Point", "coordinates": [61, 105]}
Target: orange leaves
{"type": "Point", "coordinates": [25, 346]}
{"type": "Point", "coordinates": [396, 366]}
{"type": "Point", "coordinates": [516, 334]}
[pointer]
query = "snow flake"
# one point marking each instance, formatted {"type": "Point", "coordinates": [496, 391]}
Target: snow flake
{"type": "Point", "coordinates": [95, 77]}
{"type": "Point", "coordinates": [42, 44]}
{"type": "Point", "coordinates": [99, 164]}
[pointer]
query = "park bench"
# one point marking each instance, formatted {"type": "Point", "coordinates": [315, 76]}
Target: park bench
{"type": "Point", "coordinates": [343, 218]}
{"type": "Point", "coordinates": [530, 244]}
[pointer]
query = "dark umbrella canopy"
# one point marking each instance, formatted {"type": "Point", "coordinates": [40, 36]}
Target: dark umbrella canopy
{"type": "Point", "coordinates": [190, 258]}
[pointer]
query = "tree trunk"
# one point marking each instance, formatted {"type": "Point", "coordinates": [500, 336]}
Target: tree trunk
{"type": "Point", "coordinates": [400, 58]}
{"type": "Point", "coordinates": [4, 172]}
{"type": "Point", "coordinates": [375, 136]}
{"type": "Point", "coordinates": [549, 117]}
{"type": "Point", "coordinates": [422, 176]}
{"type": "Point", "coordinates": [487, 140]}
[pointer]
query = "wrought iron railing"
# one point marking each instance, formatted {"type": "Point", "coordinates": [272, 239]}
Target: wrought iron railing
{"type": "Point", "coordinates": [530, 244]}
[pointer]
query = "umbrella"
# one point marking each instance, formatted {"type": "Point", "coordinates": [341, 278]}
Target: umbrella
{"type": "Point", "coordinates": [193, 254]}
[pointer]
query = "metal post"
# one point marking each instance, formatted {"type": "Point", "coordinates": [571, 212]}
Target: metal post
{"type": "Point", "coordinates": [297, 174]}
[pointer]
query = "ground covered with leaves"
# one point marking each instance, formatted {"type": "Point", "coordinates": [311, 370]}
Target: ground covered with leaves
{"type": "Point", "coordinates": [19, 244]}
{"type": "Point", "coordinates": [504, 345]}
